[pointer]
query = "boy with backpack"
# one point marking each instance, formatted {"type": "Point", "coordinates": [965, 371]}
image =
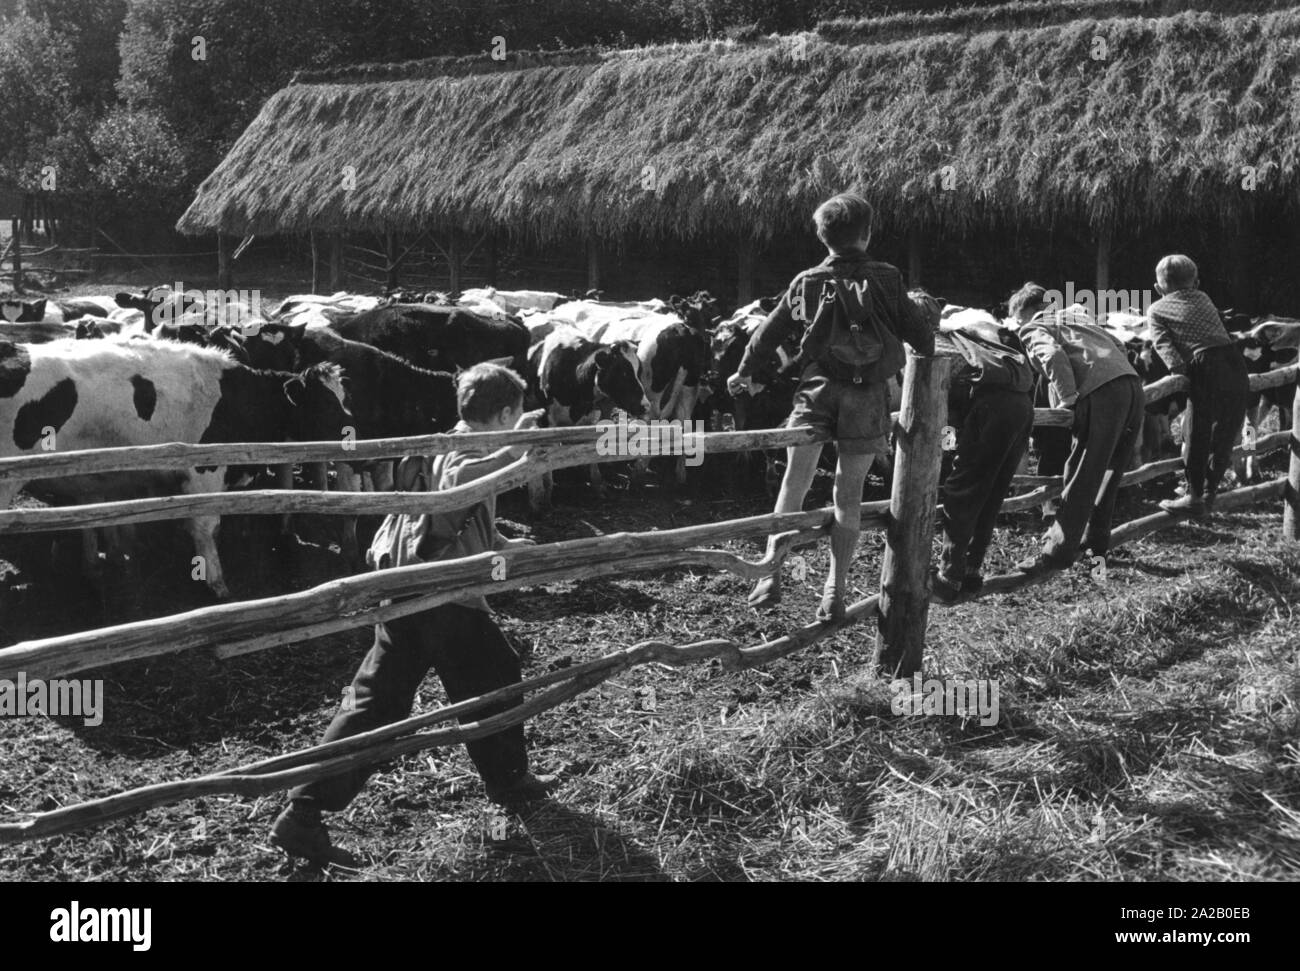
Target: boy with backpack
{"type": "Point", "coordinates": [990, 404]}
{"type": "Point", "coordinates": [855, 310]}
{"type": "Point", "coordinates": [1189, 336]}
{"type": "Point", "coordinates": [460, 639]}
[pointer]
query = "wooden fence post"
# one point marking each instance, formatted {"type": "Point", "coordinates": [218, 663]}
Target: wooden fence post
{"type": "Point", "coordinates": [904, 576]}
{"type": "Point", "coordinates": [1291, 512]}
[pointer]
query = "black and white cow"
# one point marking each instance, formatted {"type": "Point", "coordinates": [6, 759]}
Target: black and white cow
{"type": "Point", "coordinates": [389, 397]}
{"type": "Point", "coordinates": [1272, 343]}
{"type": "Point", "coordinates": [16, 310]}
{"type": "Point", "coordinates": [89, 394]}
{"type": "Point", "coordinates": [437, 338]}
{"type": "Point", "coordinates": [579, 381]}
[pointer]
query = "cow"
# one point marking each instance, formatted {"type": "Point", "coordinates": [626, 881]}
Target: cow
{"type": "Point", "coordinates": [778, 378]}
{"type": "Point", "coordinates": [107, 393]}
{"type": "Point", "coordinates": [164, 305]}
{"type": "Point", "coordinates": [1272, 343]}
{"type": "Point", "coordinates": [14, 309]}
{"type": "Point", "coordinates": [315, 310]}
{"type": "Point", "coordinates": [491, 302]}
{"type": "Point", "coordinates": [437, 338]}
{"type": "Point", "coordinates": [389, 398]}
{"type": "Point", "coordinates": [577, 381]}
{"type": "Point", "coordinates": [672, 364]}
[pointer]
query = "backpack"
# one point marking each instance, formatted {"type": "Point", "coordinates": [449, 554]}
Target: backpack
{"type": "Point", "coordinates": [398, 540]}
{"type": "Point", "coordinates": [995, 365]}
{"type": "Point", "coordinates": [846, 337]}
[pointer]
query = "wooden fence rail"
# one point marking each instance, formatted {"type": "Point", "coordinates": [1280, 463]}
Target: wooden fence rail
{"type": "Point", "coordinates": [908, 519]}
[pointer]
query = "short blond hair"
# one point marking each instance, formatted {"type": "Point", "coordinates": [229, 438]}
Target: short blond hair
{"type": "Point", "coordinates": [1176, 272]}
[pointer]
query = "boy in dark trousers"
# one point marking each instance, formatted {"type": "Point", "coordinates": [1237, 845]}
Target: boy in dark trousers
{"type": "Point", "coordinates": [1087, 371]}
{"type": "Point", "coordinates": [1190, 337]}
{"type": "Point", "coordinates": [460, 640]}
{"type": "Point", "coordinates": [843, 390]}
{"type": "Point", "coordinates": [990, 404]}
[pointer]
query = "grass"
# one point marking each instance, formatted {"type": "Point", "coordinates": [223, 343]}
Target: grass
{"type": "Point", "coordinates": [1148, 731]}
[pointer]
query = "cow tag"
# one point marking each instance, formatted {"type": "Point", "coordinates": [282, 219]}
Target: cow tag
{"type": "Point", "coordinates": [949, 438]}
{"type": "Point", "coordinates": [12, 311]}
{"type": "Point", "coordinates": [1252, 353]}
{"type": "Point", "coordinates": [1248, 438]}
{"type": "Point", "coordinates": [728, 422]}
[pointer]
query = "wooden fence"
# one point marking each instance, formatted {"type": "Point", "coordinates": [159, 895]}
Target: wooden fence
{"type": "Point", "coordinates": [236, 628]}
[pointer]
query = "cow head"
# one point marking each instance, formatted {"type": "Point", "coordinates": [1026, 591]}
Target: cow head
{"type": "Point", "coordinates": [274, 347]}
{"type": "Point", "coordinates": [616, 378]}
{"type": "Point", "coordinates": [88, 329]}
{"type": "Point", "coordinates": [321, 410]}
{"type": "Point", "coordinates": [700, 310]}
{"type": "Point", "coordinates": [160, 305]}
{"type": "Point", "coordinates": [16, 311]}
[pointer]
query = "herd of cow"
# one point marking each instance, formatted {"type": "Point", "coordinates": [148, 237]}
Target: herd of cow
{"type": "Point", "coordinates": [164, 366]}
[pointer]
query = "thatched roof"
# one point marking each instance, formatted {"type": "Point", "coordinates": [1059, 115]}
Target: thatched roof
{"type": "Point", "coordinates": [1022, 124]}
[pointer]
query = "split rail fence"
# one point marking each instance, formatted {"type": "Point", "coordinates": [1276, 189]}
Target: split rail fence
{"type": "Point", "coordinates": [230, 629]}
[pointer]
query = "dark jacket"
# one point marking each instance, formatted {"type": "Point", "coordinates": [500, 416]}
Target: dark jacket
{"type": "Point", "coordinates": [889, 297]}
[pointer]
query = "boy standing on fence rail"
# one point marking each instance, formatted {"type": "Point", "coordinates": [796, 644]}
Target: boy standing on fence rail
{"type": "Point", "coordinates": [1189, 336]}
{"type": "Point", "coordinates": [856, 310]}
{"type": "Point", "coordinates": [990, 405]}
{"type": "Point", "coordinates": [1087, 371]}
{"type": "Point", "coordinates": [460, 640]}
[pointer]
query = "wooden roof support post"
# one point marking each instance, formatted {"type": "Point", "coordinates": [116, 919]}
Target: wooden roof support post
{"type": "Point", "coordinates": [390, 260]}
{"type": "Point", "coordinates": [914, 256]}
{"type": "Point", "coordinates": [225, 275]}
{"type": "Point", "coordinates": [336, 262]}
{"type": "Point", "coordinates": [453, 261]}
{"type": "Point", "coordinates": [315, 263]}
{"type": "Point", "coordinates": [1291, 514]}
{"type": "Point", "coordinates": [490, 258]}
{"type": "Point", "coordinates": [746, 254]}
{"type": "Point", "coordinates": [1102, 281]}
{"type": "Point", "coordinates": [593, 264]}
{"type": "Point", "coordinates": [904, 575]}
{"type": "Point", "coordinates": [17, 245]}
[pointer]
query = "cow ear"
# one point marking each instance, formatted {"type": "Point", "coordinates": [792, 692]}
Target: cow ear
{"type": "Point", "coordinates": [296, 332]}
{"type": "Point", "coordinates": [677, 302]}
{"type": "Point", "coordinates": [123, 300]}
{"type": "Point", "coordinates": [604, 357]}
{"type": "Point", "coordinates": [38, 307]}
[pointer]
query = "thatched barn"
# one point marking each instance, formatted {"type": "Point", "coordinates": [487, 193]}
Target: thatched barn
{"type": "Point", "coordinates": [1018, 147]}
